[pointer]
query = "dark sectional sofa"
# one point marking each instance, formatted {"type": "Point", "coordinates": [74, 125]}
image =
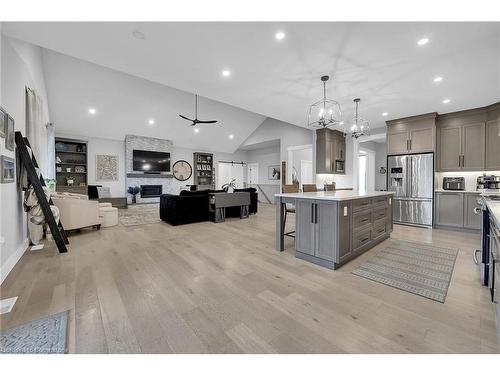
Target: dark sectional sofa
{"type": "Point", "coordinates": [193, 206]}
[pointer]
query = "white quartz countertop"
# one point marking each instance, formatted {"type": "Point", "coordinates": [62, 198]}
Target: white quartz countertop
{"type": "Point", "coordinates": [494, 208]}
{"type": "Point", "coordinates": [342, 195]}
{"type": "Point", "coordinates": [457, 191]}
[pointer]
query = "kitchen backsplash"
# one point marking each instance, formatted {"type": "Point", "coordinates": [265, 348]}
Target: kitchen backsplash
{"type": "Point", "coordinates": [470, 178]}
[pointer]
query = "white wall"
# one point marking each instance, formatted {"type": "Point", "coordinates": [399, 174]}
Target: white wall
{"type": "Point", "coordinates": [380, 161]}
{"type": "Point", "coordinates": [21, 66]}
{"type": "Point", "coordinates": [266, 157]}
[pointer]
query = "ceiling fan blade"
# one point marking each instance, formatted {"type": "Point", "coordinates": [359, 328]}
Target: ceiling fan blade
{"type": "Point", "coordinates": [207, 121]}
{"type": "Point", "coordinates": [185, 118]}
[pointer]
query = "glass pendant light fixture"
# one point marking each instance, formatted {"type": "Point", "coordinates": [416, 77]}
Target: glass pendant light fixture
{"type": "Point", "coordinates": [325, 113]}
{"type": "Point", "coordinates": [358, 126]}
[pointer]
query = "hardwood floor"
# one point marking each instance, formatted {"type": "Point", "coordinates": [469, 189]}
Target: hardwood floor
{"type": "Point", "coordinates": [222, 288]}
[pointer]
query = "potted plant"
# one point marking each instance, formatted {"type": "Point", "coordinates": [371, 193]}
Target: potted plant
{"type": "Point", "coordinates": [134, 190]}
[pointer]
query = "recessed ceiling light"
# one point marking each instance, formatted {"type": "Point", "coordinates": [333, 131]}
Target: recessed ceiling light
{"type": "Point", "coordinates": [92, 111]}
{"type": "Point", "coordinates": [385, 114]}
{"type": "Point", "coordinates": [196, 130]}
{"type": "Point", "coordinates": [446, 101]}
{"type": "Point", "coordinates": [280, 35]}
{"type": "Point", "coordinates": [231, 136]}
{"type": "Point", "coordinates": [151, 121]}
{"type": "Point", "coordinates": [226, 73]}
{"type": "Point", "coordinates": [423, 41]}
{"type": "Point", "coordinates": [438, 79]}
{"type": "Point", "coordinates": [138, 35]}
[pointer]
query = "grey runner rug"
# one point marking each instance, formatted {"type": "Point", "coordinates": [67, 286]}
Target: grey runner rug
{"type": "Point", "coordinates": [42, 336]}
{"type": "Point", "coordinates": [415, 267]}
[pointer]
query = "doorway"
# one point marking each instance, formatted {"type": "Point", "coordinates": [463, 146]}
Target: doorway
{"type": "Point", "coordinates": [253, 174]}
{"type": "Point", "coordinates": [300, 165]}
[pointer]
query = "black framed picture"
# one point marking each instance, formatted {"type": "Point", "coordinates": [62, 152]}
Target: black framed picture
{"type": "Point", "coordinates": [3, 122]}
{"type": "Point", "coordinates": [9, 134]}
{"type": "Point", "coordinates": [273, 172]}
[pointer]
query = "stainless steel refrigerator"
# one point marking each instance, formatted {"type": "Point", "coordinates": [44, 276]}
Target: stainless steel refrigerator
{"type": "Point", "coordinates": [411, 178]}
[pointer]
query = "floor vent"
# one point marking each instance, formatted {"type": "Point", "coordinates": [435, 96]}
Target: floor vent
{"type": "Point", "coordinates": [7, 304]}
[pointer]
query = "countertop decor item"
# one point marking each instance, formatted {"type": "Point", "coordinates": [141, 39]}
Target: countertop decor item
{"type": "Point", "coordinates": [182, 170]}
{"type": "Point", "coordinates": [325, 113]}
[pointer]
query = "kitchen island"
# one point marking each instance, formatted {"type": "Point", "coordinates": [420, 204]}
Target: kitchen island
{"type": "Point", "coordinates": [333, 227]}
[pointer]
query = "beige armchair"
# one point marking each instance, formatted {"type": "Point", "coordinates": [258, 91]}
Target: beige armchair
{"type": "Point", "coordinates": [77, 211]}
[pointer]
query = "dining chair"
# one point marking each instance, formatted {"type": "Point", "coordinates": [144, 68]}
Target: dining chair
{"type": "Point", "coordinates": [329, 187]}
{"type": "Point", "coordinates": [309, 188]}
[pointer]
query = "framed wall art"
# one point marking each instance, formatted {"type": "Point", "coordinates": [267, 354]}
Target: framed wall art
{"type": "Point", "coordinates": [7, 169]}
{"type": "Point", "coordinates": [273, 172]}
{"type": "Point", "coordinates": [9, 134]}
{"type": "Point", "coordinates": [3, 122]}
{"type": "Point", "coordinates": [106, 168]}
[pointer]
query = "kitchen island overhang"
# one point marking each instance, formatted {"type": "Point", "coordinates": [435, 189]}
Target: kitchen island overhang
{"type": "Point", "coordinates": [333, 227]}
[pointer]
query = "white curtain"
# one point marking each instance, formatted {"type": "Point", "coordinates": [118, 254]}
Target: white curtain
{"type": "Point", "coordinates": [38, 135]}
{"type": "Point", "coordinates": [51, 151]}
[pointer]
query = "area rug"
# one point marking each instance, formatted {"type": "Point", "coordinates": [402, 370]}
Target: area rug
{"type": "Point", "coordinates": [138, 214]}
{"type": "Point", "coordinates": [415, 267]}
{"type": "Point", "coordinates": [42, 336]}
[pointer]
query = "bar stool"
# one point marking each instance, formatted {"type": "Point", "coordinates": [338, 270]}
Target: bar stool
{"type": "Point", "coordinates": [309, 188]}
{"type": "Point", "coordinates": [289, 208]}
{"type": "Point", "coordinates": [329, 187]}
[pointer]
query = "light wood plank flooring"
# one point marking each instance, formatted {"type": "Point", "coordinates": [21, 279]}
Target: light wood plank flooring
{"type": "Point", "coordinates": [222, 288]}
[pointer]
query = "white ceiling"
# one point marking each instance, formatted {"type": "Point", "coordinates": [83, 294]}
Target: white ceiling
{"type": "Point", "coordinates": [379, 62]}
{"type": "Point", "coordinates": [125, 103]}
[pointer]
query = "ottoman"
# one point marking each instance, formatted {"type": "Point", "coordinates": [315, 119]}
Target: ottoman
{"type": "Point", "coordinates": [108, 216]}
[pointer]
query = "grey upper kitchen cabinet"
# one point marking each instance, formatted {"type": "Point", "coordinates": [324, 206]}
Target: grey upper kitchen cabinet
{"type": "Point", "coordinates": [330, 148]}
{"type": "Point", "coordinates": [471, 219]}
{"type": "Point", "coordinates": [450, 148]}
{"type": "Point", "coordinates": [493, 145]}
{"type": "Point", "coordinates": [411, 135]}
{"type": "Point", "coordinates": [450, 209]}
{"type": "Point", "coordinates": [461, 147]}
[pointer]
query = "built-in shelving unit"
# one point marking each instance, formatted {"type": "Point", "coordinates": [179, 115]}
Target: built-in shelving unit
{"type": "Point", "coordinates": [71, 164]}
{"type": "Point", "coordinates": [204, 169]}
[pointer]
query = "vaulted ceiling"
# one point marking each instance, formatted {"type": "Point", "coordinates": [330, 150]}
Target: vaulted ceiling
{"type": "Point", "coordinates": [379, 62]}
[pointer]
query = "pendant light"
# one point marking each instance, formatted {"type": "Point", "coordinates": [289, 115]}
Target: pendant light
{"type": "Point", "coordinates": [325, 113]}
{"type": "Point", "coordinates": [358, 126]}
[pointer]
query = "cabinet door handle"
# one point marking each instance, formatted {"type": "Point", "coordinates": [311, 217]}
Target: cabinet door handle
{"type": "Point", "coordinates": [407, 145]}
{"type": "Point", "coordinates": [316, 213]}
{"type": "Point", "coordinates": [459, 160]}
{"type": "Point", "coordinates": [365, 239]}
{"type": "Point", "coordinates": [312, 213]}
{"type": "Point", "coordinates": [410, 144]}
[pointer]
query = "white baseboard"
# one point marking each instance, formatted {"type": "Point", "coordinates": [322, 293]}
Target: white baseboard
{"type": "Point", "coordinates": [12, 261]}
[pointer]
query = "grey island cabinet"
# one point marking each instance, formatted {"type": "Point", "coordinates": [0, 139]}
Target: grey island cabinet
{"type": "Point", "coordinates": [334, 227]}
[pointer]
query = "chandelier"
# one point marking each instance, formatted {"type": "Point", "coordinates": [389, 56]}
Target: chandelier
{"type": "Point", "coordinates": [358, 126]}
{"type": "Point", "coordinates": [324, 113]}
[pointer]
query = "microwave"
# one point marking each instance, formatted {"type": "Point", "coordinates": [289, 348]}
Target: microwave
{"type": "Point", "coordinates": [339, 166]}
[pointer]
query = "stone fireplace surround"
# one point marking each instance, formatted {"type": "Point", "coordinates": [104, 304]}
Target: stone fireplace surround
{"type": "Point", "coordinates": [135, 142]}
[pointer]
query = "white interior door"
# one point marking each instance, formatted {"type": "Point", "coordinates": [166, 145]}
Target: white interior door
{"type": "Point", "coordinates": [253, 173]}
{"type": "Point", "coordinates": [306, 172]}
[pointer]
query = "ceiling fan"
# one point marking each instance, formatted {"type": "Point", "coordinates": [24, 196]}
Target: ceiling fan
{"type": "Point", "coordinates": [196, 121]}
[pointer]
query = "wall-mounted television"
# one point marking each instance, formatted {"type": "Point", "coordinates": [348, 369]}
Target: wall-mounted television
{"type": "Point", "coordinates": [151, 161]}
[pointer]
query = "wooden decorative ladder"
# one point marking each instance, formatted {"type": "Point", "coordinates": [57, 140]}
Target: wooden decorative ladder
{"type": "Point", "coordinates": [35, 179]}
